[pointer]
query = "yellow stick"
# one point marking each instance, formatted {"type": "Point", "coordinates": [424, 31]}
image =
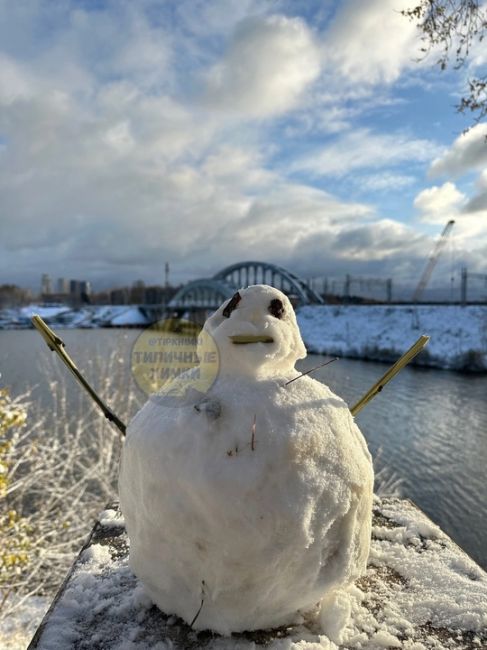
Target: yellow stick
{"type": "Point", "coordinates": [56, 344]}
{"type": "Point", "coordinates": [392, 372]}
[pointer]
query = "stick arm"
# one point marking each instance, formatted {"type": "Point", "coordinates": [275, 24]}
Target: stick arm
{"type": "Point", "coordinates": [56, 344]}
{"type": "Point", "coordinates": [392, 372]}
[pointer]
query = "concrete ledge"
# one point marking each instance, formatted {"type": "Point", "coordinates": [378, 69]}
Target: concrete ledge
{"type": "Point", "coordinates": [420, 592]}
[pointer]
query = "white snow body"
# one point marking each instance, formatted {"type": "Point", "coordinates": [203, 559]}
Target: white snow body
{"type": "Point", "coordinates": [260, 523]}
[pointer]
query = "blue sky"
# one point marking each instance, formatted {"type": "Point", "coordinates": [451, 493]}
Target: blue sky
{"type": "Point", "coordinates": [207, 132]}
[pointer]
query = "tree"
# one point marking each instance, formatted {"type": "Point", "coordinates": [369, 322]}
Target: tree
{"type": "Point", "coordinates": [14, 530]}
{"type": "Point", "coordinates": [452, 27]}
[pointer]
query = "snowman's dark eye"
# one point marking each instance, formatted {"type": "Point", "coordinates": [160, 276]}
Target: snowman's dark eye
{"type": "Point", "coordinates": [236, 298]}
{"type": "Point", "coordinates": [276, 308]}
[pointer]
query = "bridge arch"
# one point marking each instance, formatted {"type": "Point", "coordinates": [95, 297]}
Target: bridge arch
{"type": "Point", "coordinates": [243, 274]}
{"type": "Point", "coordinates": [206, 293]}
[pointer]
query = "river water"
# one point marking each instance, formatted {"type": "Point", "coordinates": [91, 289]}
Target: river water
{"type": "Point", "coordinates": [428, 427]}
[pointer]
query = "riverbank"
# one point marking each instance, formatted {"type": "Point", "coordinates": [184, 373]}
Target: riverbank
{"type": "Point", "coordinates": [384, 332]}
{"type": "Point", "coordinates": [372, 332]}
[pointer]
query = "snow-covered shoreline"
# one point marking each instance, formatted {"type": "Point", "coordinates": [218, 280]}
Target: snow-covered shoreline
{"type": "Point", "coordinates": [375, 332]}
{"type": "Point", "coordinates": [384, 332]}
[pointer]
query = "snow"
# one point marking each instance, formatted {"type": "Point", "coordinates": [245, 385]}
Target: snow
{"type": "Point", "coordinates": [415, 597]}
{"type": "Point", "coordinates": [93, 587]}
{"type": "Point", "coordinates": [17, 629]}
{"type": "Point", "coordinates": [129, 317]}
{"type": "Point", "coordinates": [103, 314]}
{"type": "Point", "coordinates": [111, 518]}
{"type": "Point", "coordinates": [458, 334]}
{"type": "Point", "coordinates": [258, 523]}
{"type": "Point", "coordinates": [380, 332]}
{"type": "Point", "coordinates": [62, 316]}
{"type": "Point", "coordinates": [45, 312]}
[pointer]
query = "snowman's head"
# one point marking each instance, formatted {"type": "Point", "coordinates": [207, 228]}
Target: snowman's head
{"type": "Point", "coordinates": [256, 333]}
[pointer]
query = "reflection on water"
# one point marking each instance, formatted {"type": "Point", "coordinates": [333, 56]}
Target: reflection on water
{"type": "Point", "coordinates": [430, 425]}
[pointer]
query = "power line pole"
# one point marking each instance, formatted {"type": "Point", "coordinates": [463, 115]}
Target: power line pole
{"type": "Point", "coordinates": [166, 275]}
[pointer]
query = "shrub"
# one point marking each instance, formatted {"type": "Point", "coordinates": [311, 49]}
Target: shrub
{"type": "Point", "coordinates": [58, 469]}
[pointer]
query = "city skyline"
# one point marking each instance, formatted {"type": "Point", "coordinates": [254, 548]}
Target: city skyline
{"type": "Point", "coordinates": [132, 134]}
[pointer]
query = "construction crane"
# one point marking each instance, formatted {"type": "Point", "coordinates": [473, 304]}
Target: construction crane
{"type": "Point", "coordinates": [433, 258]}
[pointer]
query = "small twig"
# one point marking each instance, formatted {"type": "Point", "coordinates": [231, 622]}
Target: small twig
{"type": "Point", "coordinates": [4, 599]}
{"type": "Point", "coordinates": [311, 370]}
{"type": "Point", "coordinates": [201, 606]}
{"type": "Point", "coordinates": [251, 444]}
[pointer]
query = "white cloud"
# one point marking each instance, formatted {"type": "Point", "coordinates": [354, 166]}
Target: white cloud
{"type": "Point", "coordinates": [468, 152]}
{"type": "Point", "coordinates": [381, 239]}
{"type": "Point", "coordinates": [371, 42]}
{"type": "Point", "coordinates": [315, 233]}
{"type": "Point", "coordinates": [109, 165]}
{"type": "Point", "coordinates": [439, 204]}
{"type": "Point", "coordinates": [381, 247]}
{"type": "Point", "coordinates": [15, 81]}
{"type": "Point", "coordinates": [360, 149]}
{"type": "Point", "coordinates": [241, 167]}
{"type": "Point", "coordinates": [384, 182]}
{"type": "Point", "coordinates": [269, 64]}
{"type": "Point", "coordinates": [119, 137]}
{"type": "Point", "coordinates": [479, 201]}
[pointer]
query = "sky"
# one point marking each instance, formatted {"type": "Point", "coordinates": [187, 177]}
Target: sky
{"type": "Point", "coordinates": [207, 132]}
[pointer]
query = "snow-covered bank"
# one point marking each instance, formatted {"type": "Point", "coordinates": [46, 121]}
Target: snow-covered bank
{"type": "Point", "coordinates": [64, 317]}
{"type": "Point", "coordinates": [17, 629]}
{"type": "Point", "coordinates": [384, 332]}
{"type": "Point", "coordinates": [375, 332]}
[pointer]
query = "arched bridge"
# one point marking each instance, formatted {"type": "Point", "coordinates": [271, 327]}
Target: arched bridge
{"type": "Point", "coordinates": [209, 293]}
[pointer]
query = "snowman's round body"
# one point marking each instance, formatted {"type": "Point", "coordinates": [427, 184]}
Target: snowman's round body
{"type": "Point", "coordinates": [256, 503]}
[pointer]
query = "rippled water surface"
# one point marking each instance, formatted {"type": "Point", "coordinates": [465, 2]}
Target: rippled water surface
{"type": "Point", "coordinates": [429, 425]}
{"type": "Point", "coordinates": [431, 429]}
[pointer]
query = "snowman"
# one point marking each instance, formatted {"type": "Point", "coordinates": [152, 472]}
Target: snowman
{"type": "Point", "coordinates": [250, 504]}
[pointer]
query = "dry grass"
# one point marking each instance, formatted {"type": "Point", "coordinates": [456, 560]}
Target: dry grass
{"type": "Point", "coordinates": [63, 469]}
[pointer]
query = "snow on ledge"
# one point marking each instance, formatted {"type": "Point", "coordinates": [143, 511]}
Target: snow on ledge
{"type": "Point", "coordinates": [420, 592]}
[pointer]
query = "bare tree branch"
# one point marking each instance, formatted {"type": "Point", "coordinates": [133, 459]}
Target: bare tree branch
{"type": "Point", "coordinates": [452, 27]}
{"type": "Point", "coordinates": [62, 469]}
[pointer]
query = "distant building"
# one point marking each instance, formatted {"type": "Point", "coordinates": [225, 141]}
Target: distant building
{"type": "Point", "coordinates": [62, 286]}
{"type": "Point", "coordinates": [119, 296]}
{"type": "Point", "coordinates": [13, 296]}
{"type": "Point", "coordinates": [79, 292]}
{"type": "Point", "coordinates": [74, 288]}
{"type": "Point", "coordinates": [157, 295]}
{"type": "Point", "coordinates": [85, 287]}
{"type": "Point", "coordinates": [137, 293]}
{"type": "Point", "coordinates": [46, 285]}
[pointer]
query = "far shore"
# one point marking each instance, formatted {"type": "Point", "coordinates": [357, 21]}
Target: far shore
{"type": "Point", "coordinates": [370, 332]}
